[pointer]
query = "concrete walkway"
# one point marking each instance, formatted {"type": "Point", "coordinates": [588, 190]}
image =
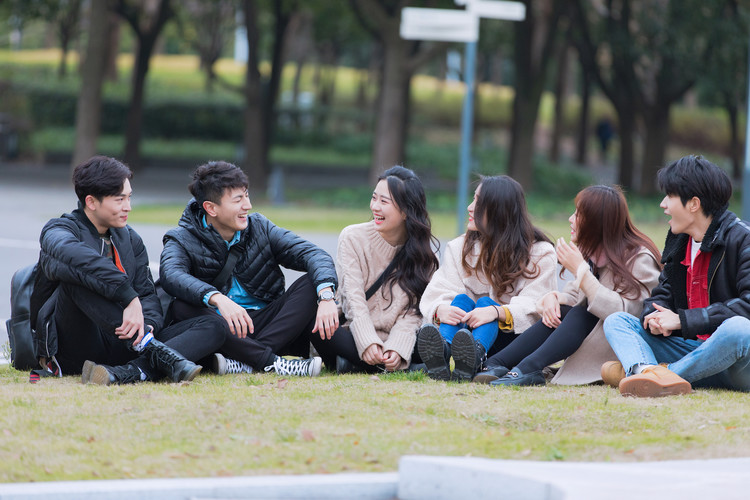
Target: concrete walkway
{"type": "Point", "coordinates": [435, 478]}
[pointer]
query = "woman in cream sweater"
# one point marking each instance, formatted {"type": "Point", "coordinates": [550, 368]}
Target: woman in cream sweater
{"type": "Point", "coordinates": [615, 267]}
{"type": "Point", "coordinates": [382, 316]}
{"type": "Point", "coordinates": [489, 282]}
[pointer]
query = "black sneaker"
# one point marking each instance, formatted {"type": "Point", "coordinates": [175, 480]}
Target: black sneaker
{"type": "Point", "coordinates": [108, 375]}
{"type": "Point", "coordinates": [516, 377]}
{"type": "Point", "coordinates": [468, 356]}
{"type": "Point", "coordinates": [490, 374]}
{"type": "Point", "coordinates": [435, 352]}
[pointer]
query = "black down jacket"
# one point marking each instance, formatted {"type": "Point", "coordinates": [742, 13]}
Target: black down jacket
{"type": "Point", "coordinates": [72, 253]}
{"type": "Point", "coordinates": [728, 240]}
{"type": "Point", "coordinates": [194, 255]}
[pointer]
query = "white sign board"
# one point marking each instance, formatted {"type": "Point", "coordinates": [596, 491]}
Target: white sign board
{"type": "Point", "coordinates": [512, 11]}
{"type": "Point", "coordinates": [440, 25]}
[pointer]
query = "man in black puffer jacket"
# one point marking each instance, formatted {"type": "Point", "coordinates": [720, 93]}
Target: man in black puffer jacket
{"type": "Point", "coordinates": [695, 322]}
{"type": "Point", "coordinates": [104, 317]}
{"type": "Point", "coordinates": [264, 320]}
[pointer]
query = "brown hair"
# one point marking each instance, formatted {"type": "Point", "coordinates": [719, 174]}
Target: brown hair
{"type": "Point", "coordinates": [604, 228]}
{"type": "Point", "coordinates": [504, 232]}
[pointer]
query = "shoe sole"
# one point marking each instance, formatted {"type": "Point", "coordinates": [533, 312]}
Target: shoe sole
{"type": "Point", "coordinates": [99, 376]}
{"type": "Point", "coordinates": [430, 348]}
{"type": "Point", "coordinates": [647, 388]}
{"type": "Point", "coordinates": [484, 378]}
{"type": "Point", "coordinates": [88, 367]}
{"type": "Point", "coordinates": [315, 366]}
{"type": "Point", "coordinates": [464, 356]}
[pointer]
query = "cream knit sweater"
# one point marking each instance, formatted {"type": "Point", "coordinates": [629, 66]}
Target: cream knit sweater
{"type": "Point", "coordinates": [361, 257]}
{"type": "Point", "coordinates": [451, 280]}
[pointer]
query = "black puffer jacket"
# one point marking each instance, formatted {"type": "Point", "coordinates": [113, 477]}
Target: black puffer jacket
{"type": "Point", "coordinates": [193, 257]}
{"type": "Point", "coordinates": [728, 240]}
{"type": "Point", "coordinates": [72, 253]}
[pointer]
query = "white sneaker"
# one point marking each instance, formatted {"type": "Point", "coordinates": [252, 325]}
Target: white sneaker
{"type": "Point", "coordinates": [299, 367]}
{"type": "Point", "coordinates": [222, 365]}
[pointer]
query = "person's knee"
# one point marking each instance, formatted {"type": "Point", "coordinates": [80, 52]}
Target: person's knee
{"type": "Point", "coordinates": [484, 302]}
{"type": "Point", "coordinates": [304, 285]}
{"type": "Point", "coordinates": [463, 301]}
{"type": "Point", "coordinates": [735, 330]}
{"type": "Point", "coordinates": [616, 322]}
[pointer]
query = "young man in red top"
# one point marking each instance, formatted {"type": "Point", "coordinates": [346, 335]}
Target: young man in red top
{"type": "Point", "coordinates": [694, 329]}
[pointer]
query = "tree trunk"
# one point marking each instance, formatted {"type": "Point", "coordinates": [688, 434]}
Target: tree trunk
{"type": "Point", "coordinates": [134, 120]}
{"type": "Point", "coordinates": [391, 121]}
{"type": "Point", "coordinates": [735, 146]}
{"type": "Point", "coordinates": [583, 118]}
{"type": "Point", "coordinates": [626, 123]}
{"type": "Point", "coordinates": [112, 48]}
{"type": "Point", "coordinates": [525, 110]}
{"type": "Point", "coordinates": [561, 91]}
{"type": "Point", "coordinates": [657, 137]}
{"type": "Point", "coordinates": [62, 70]}
{"type": "Point", "coordinates": [88, 110]}
{"type": "Point", "coordinates": [254, 132]}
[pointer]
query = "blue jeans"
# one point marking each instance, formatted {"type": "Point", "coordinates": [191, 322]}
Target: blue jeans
{"type": "Point", "coordinates": [485, 334]}
{"type": "Point", "coordinates": [723, 360]}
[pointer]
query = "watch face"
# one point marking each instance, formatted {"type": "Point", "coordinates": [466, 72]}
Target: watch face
{"type": "Point", "coordinates": [326, 295]}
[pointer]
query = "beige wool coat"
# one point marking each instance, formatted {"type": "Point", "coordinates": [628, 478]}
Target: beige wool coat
{"type": "Point", "coordinates": [451, 279]}
{"type": "Point", "coordinates": [584, 365]}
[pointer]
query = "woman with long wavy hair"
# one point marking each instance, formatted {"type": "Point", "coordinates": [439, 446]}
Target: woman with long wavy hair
{"type": "Point", "coordinates": [488, 284]}
{"type": "Point", "coordinates": [615, 267]}
{"type": "Point", "coordinates": [383, 267]}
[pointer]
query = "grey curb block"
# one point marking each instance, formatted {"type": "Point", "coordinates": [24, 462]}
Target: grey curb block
{"type": "Point", "coordinates": [435, 478]}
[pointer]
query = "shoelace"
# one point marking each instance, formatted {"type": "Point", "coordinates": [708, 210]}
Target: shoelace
{"type": "Point", "coordinates": [234, 366]}
{"type": "Point", "coordinates": [297, 367]}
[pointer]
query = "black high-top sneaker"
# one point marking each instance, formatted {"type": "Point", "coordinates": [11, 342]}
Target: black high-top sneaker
{"type": "Point", "coordinates": [170, 362]}
{"type": "Point", "coordinates": [435, 352]}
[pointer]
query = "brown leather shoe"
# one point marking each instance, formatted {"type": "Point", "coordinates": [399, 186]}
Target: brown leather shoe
{"type": "Point", "coordinates": [612, 373]}
{"type": "Point", "coordinates": [654, 381]}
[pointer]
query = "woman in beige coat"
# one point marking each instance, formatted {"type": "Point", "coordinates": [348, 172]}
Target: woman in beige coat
{"type": "Point", "coordinates": [615, 267]}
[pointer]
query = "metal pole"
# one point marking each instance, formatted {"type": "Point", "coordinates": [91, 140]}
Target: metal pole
{"type": "Point", "coordinates": [746, 172]}
{"type": "Point", "coordinates": [467, 124]}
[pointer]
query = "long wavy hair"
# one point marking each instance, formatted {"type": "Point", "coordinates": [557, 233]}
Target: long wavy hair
{"type": "Point", "coordinates": [604, 229]}
{"type": "Point", "coordinates": [504, 232]}
{"type": "Point", "coordinates": [414, 264]}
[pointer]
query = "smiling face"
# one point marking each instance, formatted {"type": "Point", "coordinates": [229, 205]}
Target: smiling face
{"type": "Point", "coordinates": [390, 222]}
{"type": "Point", "coordinates": [471, 224]}
{"type": "Point", "coordinates": [230, 214]}
{"type": "Point", "coordinates": [573, 219]}
{"type": "Point", "coordinates": [111, 211]}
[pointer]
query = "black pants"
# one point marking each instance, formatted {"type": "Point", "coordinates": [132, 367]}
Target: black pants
{"type": "Point", "coordinates": [282, 327]}
{"type": "Point", "coordinates": [86, 323]}
{"type": "Point", "coordinates": [342, 344]}
{"type": "Point", "coordinates": [541, 345]}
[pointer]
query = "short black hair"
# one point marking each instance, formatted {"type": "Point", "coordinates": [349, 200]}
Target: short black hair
{"type": "Point", "coordinates": [695, 176]}
{"type": "Point", "coordinates": [212, 179]}
{"type": "Point", "coordinates": [100, 176]}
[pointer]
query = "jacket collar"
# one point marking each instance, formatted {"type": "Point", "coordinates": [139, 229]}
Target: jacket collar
{"type": "Point", "coordinates": [715, 236]}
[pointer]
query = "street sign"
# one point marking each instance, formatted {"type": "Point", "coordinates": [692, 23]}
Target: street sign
{"type": "Point", "coordinates": [440, 25]}
{"type": "Point", "coordinates": [494, 9]}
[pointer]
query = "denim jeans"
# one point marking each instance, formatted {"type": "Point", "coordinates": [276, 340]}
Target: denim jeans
{"type": "Point", "coordinates": [485, 334]}
{"type": "Point", "coordinates": [723, 360]}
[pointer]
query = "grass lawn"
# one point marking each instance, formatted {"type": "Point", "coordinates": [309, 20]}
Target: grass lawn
{"type": "Point", "coordinates": [253, 424]}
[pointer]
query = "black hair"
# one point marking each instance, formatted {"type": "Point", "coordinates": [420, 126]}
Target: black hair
{"type": "Point", "coordinates": [415, 263]}
{"type": "Point", "coordinates": [211, 180]}
{"type": "Point", "coordinates": [695, 176]}
{"type": "Point", "coordinates": [100, 176]}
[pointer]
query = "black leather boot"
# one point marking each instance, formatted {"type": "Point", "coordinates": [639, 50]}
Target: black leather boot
{"type": "Point", "coordinates": [435, 352]}
{"type": "Point", "coordinates": [108, 375]}
{"type": "Point", "coordinates": [169, 362]}
{"type": "Point", "coordinates": [468, 355]}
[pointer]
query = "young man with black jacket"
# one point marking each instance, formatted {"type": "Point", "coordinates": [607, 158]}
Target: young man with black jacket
{"type": "Point", "coordinates": [265, 321]}
{"type": "Point", "coordinates": [104, 317]}
{"type": "Point", "coordinates": [694, 329]}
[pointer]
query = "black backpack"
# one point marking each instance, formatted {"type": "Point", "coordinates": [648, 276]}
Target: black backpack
{"type": "Point", "coordinates": [30, 291]}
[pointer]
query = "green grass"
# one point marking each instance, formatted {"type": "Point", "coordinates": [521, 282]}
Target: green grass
{"type": "Point", "coordinates": [255, 424]}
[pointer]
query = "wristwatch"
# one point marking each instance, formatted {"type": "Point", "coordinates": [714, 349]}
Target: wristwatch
{"type": "Point", "coordinates": [326, 294]}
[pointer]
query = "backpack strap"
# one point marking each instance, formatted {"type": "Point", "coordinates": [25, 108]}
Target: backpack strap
{"type": "Point", "coordinates": [226, 271]}
{"type": "Point", "coordinates": [379, 282]}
